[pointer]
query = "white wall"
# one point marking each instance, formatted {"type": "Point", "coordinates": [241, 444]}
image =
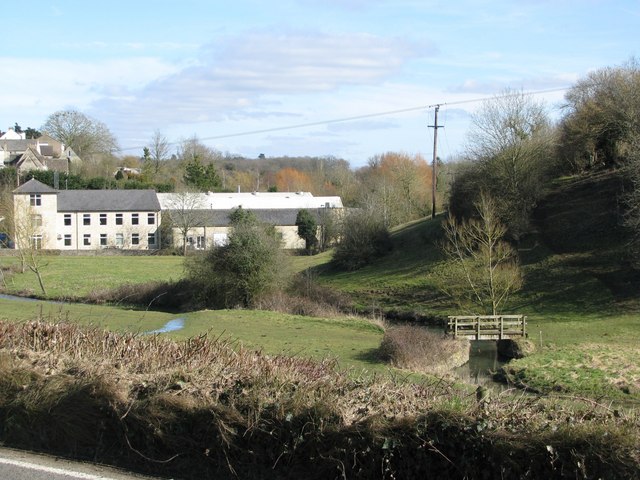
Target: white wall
{"type": "Point", "coordinates": [77, 230]}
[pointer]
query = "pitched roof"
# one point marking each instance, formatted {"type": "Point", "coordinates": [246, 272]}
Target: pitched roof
{"type": "Point", "coordinates": [57, 164]}
{"type": "Point", "coordinates": [278, 217]}
{"type": "Point", "coordinates": [107, 201]}
{"type": "Point", "coordinates": [31, 155]}
{"type": "Point", "coordinates": [16, 146]}
{"type": "Point", "coordinates": [34, 186]}
{"type": "Point", "coordinates": [46, 150]}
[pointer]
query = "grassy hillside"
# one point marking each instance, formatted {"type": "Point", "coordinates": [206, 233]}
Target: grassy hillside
{"type": "Point", "coordinates": [577, 263]}
{"type": "Point", "coordinates": [581, 294]}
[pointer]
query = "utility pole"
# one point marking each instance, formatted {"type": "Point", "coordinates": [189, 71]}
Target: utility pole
{"type": "Point", "coordinates": [434, 169]}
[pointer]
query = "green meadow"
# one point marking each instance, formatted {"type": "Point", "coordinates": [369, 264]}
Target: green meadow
{"type": "Point", "coordinates": [349, 341]}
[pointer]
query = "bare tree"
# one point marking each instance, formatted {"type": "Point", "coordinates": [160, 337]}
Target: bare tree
{"type": "Point", "coordinates": [159, 149]}
{"type": "Point", "coordinates": [483, 269]}
{"type": "Point", "coordinates": [85, 135]}
{"type": "Point", "coordinates": [29, 239]}
{"type": "Point", "coordinates": [511, 141]}
{"type": "Point", "coordinates": [184, 213]}
{"type": "Point", "coordinates": [398, 185]}
{"type": "Point", "coordinates": [602, 115]}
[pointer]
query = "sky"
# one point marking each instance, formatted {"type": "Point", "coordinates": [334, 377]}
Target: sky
{"type": "Point", "coordinates": [345, 78]}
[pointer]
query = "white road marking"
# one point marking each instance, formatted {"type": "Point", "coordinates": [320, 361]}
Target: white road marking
{"type": "Point", "coordinates": [57, 471]}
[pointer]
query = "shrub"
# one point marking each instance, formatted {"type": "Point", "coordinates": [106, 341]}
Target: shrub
{"type": "Point", "coordinates": [157, 295]}
{"type": "Point", "coordinates": [417, 348]}
{"type": "Point", "coordinates": [363, 238]}
{"type": "Point", "coordinates": [252, 263]}
{"type": "Point", "coordinates": [307, 229]}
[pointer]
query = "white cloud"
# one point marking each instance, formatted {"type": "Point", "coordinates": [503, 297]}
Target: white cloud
{"type": "Point", "coordinates": [241, 76]}
{"type": "Point", "coordinates": [35, 88]}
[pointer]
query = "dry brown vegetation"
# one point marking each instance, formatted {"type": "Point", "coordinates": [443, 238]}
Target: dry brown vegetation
{"type": "Point", "coordinates": [204, 407]}
{"type": "Point", "coordinates": [417, 348]}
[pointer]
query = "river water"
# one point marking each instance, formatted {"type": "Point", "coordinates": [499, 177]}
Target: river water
{"type": "Point", "coordinates": [483, 359]}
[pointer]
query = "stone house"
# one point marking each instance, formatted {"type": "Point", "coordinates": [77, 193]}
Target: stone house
{"type": "Point", "coordinates": [43, 153]}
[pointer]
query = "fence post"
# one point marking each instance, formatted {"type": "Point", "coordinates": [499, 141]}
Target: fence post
{"type": "Point", "coordinates": [501, 318]}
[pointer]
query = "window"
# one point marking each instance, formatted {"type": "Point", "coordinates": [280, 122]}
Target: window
{"type": "Point", "coordinates": [118, 219]}
{"type": "Point", "coordinates": [134, 219]}
{"type": "Point", "coordinates": [36, 220]}
{"type": "Point", "coordinates": [67, 240]}
{"type": "Point", "coordinates": [220, 239]}
{"type": "Point", "coordinates": [35, 200]}
{"type": "Point", "coordinates": [67, 219]}
{"type": "Point", "coordinates": [36, 242]}
{"type": "Point", "coordinates": [135, 239]}
{"type": "Point", "coordinates": [151, 218]}
{"type": "Point", "coordinates": [103, 239]}
{"type": "Point", "coordinates": [151, 239]}
{"type": "Point", "coordinates": [87, 239]}
{"type": "Point", "coordinates": [200, 242]}
{"type": "Point", "coordinates": [103, 219]}
{"type": "Point", "coordinates": [119, 240]}
{"type": "Point", "coordinates": [86, 219]}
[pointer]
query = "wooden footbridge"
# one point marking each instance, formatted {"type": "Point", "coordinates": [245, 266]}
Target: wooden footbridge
{"type": "Point", "coordinates": [487, 327]}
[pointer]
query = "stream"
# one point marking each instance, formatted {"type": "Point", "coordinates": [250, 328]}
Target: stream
{"type": "Point", "coordinates": [483, 359]}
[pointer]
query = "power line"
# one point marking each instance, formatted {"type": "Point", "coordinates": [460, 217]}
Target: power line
{"type": "Point", "coordinates": [359, 117]}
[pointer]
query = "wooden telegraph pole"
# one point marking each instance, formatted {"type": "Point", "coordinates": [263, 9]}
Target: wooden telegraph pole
{"type": "Point", "coordinates": [434, 171]}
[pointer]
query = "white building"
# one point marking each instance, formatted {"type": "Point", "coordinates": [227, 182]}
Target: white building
{"type": "Point", "coordinates": [209, 214]}
{"type": "Point", "coordinates": [11, 134]}
{"type": "Point", "coordinates": [85, 219]}
{"type": "Point", "coordinates": [130, 219]}
{"type": "Point", "coordinates": [252, 200]}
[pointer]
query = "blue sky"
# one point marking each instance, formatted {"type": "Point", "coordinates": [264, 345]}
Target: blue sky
{"type": "Point", "coordinates": [218, 68]}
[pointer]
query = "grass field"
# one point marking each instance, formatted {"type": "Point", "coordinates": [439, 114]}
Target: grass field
{"type": "Point", "coordinates": [70, 277]}
{"type": "Point", "coordinates": [349, 341]}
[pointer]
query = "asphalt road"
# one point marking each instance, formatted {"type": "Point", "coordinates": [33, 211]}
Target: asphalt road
{"type": "Point", "coordinates": [20, 465]}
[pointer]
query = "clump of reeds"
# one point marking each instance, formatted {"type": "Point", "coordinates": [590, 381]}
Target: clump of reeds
{"type": "Point", "coordinates": [305, 297]}
{"type": "Point", "coordinates": [417, 348]}
{"type": "Point", "coordinates": [154, 294]}
{"type": "Point", "coordinates": [206, 408]}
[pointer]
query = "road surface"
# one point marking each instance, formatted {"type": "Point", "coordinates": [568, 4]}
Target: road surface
{"type": "Point", "coordinates": [21, 465]}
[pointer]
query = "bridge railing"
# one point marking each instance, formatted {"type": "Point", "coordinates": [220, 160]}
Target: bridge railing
{"type": "Point", "coordinates": [487, 327]}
